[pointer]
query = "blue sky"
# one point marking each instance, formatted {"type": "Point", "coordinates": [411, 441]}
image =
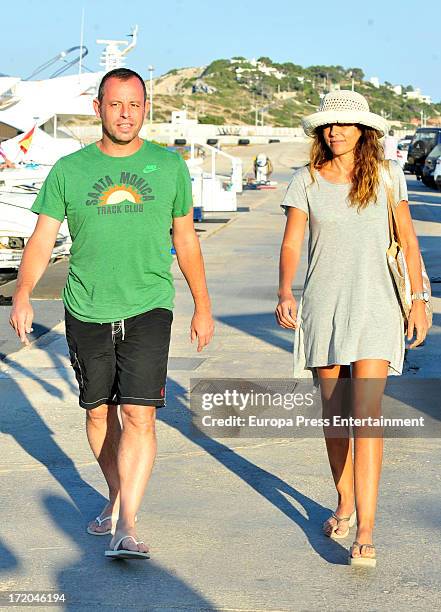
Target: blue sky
{"type": "Point", "coordinates": [391, 39]}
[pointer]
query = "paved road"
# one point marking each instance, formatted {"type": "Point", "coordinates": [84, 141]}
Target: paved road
{"type": "Point", "coordinates": [234, 524]}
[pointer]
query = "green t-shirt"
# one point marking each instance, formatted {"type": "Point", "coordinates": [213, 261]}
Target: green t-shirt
{"type": "Point", "coordinates": [119, 211]}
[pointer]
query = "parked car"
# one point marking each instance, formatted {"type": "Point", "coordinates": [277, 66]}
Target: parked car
{"type": "Point", "coordinates": [437, 173]}
{"type": "Point", "coordinates": [429, 166]}
{"type": "Point", "coordinates": [424, 140]}
{"type": "Point", "coordinates": [402, 150]}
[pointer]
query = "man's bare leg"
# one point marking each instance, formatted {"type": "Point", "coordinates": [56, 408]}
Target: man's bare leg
{"type": "Point", "coordinates": [136, 456]}
{"type": "Point", "coordinates": [103, 432]}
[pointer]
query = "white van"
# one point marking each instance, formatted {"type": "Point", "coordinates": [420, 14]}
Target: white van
{"type": "Point", "coordinates": [437, 173]}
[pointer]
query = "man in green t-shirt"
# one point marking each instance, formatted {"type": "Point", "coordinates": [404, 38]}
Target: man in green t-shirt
{"type": "Point", "coordinates": [120, 195]}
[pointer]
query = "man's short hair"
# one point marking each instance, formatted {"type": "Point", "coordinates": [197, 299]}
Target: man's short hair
{"type": "Point", "coordinates": [123, 74]}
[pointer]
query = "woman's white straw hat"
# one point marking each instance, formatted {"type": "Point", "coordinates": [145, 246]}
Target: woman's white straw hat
{"type": "Point", "coordinates": [344, 106]}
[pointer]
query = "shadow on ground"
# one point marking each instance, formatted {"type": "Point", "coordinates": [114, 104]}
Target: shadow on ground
{"type": "Point", "coordinates": [269, 486]}
{"type": "Point", "coordinates": [262, 326]}
{"type": "Point", "coordinates": [93, 582]}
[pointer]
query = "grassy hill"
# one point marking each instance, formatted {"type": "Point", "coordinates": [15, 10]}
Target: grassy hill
{"type": "Point", "coordinates": [236, 91]}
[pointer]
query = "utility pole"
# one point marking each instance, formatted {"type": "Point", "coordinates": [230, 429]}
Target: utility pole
{"type": "Point", "coordinates": [253, 105]}
{"type": "Point", "coordinates": [151, 69]}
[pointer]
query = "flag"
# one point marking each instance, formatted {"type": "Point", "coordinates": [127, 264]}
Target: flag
{"type": "Point", "coordinates": [25, 142]}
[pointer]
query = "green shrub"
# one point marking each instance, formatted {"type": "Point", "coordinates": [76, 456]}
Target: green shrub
{"type": "Point", "coordinates": [211, 119]}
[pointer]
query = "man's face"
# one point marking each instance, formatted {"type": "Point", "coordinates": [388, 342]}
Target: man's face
{"type": "Point", "coordinates": [122, 109]}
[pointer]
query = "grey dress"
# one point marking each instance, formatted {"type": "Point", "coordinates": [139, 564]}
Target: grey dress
{"type": "Point", "coordinates": [349, 309]}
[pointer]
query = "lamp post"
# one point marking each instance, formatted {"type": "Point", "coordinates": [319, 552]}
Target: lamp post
{"type": "Point", "coordinates": [151, 69]}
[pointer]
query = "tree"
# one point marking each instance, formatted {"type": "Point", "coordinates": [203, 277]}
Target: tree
{"type": "Point", "coordinates": [265, 60]}
{"type": "Point", "coordinates": [357, 73]}
{"type": "Point", "coordinates": [216, 66]}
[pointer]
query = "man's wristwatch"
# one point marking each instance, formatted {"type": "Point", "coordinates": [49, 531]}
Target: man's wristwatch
{"type": "Point", "coordinates": [423, 295]}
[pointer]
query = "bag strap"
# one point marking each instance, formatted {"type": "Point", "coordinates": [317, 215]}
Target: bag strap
{"type": "Point", "coordinates": [388, 183]}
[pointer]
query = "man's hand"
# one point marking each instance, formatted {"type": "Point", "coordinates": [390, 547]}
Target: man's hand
{"type": "Point", "coordinates": [36, 256]}
{"type": "Point", "coordinates": [202, 328]}
{"type": "Point", "coordinates": [21, 316]}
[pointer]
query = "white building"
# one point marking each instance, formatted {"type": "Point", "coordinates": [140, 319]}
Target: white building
{"type": "Point", "coordinates": [375, 81]}
{"type": "Point", "coordinates": [256, 66]}
{"type": "Point", "coordinates": [252, 61]}
{"type": "Point", "coordinates": [418, 96]}
{"type": "Point", "coordinates": [270, 71]}
{"type": "Point", "coordinates": [180, 117]}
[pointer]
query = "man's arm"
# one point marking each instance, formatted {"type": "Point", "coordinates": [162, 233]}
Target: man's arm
{"type": "Point", "coordinates": [36, 256]}
{"type": "Point", "coordinates": [190, 261]}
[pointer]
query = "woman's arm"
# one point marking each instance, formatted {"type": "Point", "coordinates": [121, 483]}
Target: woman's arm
{"type": "Point", "coordinates": [290, 253]}
{"type": "Point", "coordinates": [411, 251]}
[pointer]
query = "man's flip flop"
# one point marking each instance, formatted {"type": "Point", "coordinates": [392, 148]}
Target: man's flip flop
{"type": "Point", "coordinates": [117, 552]}
{"type": "Point", "coordinates": [100, 521]}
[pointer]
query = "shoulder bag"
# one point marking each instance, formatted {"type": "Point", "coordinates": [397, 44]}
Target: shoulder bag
{"type": "Point", "coordinates": [397, 262]}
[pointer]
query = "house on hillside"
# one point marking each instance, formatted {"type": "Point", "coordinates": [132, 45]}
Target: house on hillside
{"type": "Point", "coordinates": [418, 96]}
{"type": "Point", "coordinates": [253, 65]}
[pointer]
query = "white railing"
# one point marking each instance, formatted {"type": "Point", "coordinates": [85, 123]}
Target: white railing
{"type": "Point", "coordinates": [236, 164]}
{"type": "Point", "coordinates": [208, 187]}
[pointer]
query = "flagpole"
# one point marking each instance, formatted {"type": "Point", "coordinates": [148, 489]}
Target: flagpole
{"type": "Point", "coordinates": [81, 45]}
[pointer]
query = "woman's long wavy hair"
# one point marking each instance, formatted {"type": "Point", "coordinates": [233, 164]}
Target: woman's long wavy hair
{"type": "Point", "coordinates": [368, 155]}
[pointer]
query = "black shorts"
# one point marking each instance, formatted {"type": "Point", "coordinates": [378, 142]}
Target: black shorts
{"type": "Point", "coordinates": [123, 362]}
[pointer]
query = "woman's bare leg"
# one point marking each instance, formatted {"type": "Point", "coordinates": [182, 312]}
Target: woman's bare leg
{"type": "Point", "coordinates": [334, 390]}
{"type": "Point", "coordinates": [368, 445]}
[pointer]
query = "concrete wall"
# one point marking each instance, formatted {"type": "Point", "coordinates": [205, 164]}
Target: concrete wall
{"type": "Point", "coordinates": [168, 132]}
{"type": "Point", "coordinates": [227, 134]}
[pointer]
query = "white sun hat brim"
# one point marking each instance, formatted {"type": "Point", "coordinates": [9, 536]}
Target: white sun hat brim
{"type": "Point", "coordinates": [316, 120]}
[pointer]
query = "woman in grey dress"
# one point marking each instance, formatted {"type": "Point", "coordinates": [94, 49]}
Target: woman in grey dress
{"type": "Point", "coordinates": [348, 323]}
